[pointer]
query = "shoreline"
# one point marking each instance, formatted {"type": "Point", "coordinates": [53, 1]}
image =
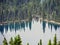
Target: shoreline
{"type": "Point", "coordinates": [51, 21]}
{"type": "Point", "coordinates": [2, 23]}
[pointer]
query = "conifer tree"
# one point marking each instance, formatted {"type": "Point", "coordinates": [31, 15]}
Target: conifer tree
{"type": "Point", "coordinates": [40, 42]}
{"type": "Point", "coordinates": [27, 43]}
{"type": "Point", "coordinates": [55, 40]}
{"type": "Point", "coordinates": [11, 41]}
{"type": "Point", "coordinates": [17, 40]}
{"type": "Point", "coordinates": [59, 43]}
{"type": "Point", "coordinates": [5, 41]}
{"type": "Point", "coordinates": [49, 43]}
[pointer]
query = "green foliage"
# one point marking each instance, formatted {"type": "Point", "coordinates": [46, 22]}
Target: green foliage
{"type": "Point", "coordinates": [59, 43]}
{"type": "Point", "coordinates": [40, 42]}
{"type": "Point", "coordinates": [5, 42]}
{"type": "Point", "coordinates": [55, 40]}
{"type": "Point", "coordinates": [27, 43]}
{"type": "Point", "coordinates": [49, 43]}
{"type": "Point", "coordinates": [17, 40]}
{"type": "Point", "coordinates": [11, 41]}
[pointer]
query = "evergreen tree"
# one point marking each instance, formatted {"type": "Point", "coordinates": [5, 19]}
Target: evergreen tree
{"type": "Point", "coordinates": [55, 40]}
{"type": "Point", "coordinates": [17, 40]}
{"type": "Point", "coordinates": [27, 43]}
{"type": "Point", "coordinates": [11, 41]}
{"type": "Point", "coordinates": [5, 41]}
{"type": "Point", "coordinates": [40, 42]}
{"type": "Point", "coordinates": [59, 43]}
{"type": "Point", "coordinates": [49, 42]}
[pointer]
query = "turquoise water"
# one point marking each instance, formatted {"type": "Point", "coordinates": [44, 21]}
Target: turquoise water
{"type": "Point", "coordinates": [30, 31]}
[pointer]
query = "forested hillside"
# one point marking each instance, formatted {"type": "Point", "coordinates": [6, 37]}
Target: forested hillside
{"type": "Point", "coordinates": [11, 10]}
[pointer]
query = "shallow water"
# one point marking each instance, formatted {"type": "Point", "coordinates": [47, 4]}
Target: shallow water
{"type": "Point", "coordinates": [30, 31]}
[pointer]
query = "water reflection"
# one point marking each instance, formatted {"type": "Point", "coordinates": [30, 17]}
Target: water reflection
{"type": "Point", "coordinates": [6, 27]}
{"type": "Point", "coordinates": [2, 28]}
{"type": "Point", "coordinates": [44, 26]}
{"type": "Point", "coordinates": [56, 26]}
{"type": "Point", "coordinates": [23, 25]}
{"type": "Point", "coordinates": [30, 24]}
{"type": "Point", "coordinates": [17, 26]}
{"type": "Point", "coordinates": [26, 24]}
{"type": "Point", "coordinates": [11, 25]}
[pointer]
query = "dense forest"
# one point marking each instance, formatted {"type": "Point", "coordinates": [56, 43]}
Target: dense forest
{"type": "Point", "coordinates": [11, 10]}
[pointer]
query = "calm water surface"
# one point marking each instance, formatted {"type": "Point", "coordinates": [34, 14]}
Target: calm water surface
{"type": "Point", "coordinates": [30, 31]}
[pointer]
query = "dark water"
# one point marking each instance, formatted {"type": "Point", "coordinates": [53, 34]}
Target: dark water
{"type": "Point", "coordinates": [30, 31]}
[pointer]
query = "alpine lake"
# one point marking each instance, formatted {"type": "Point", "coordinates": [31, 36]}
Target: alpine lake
{"type": "Point", "coordinates": [30, 31]}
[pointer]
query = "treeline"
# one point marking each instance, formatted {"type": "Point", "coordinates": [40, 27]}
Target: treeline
{"type": "Point", "coordinates": [18, 9]}
{"type": "Point", "coordinates": [11, 10]}
{"type": "Point", "coordinates": [51, 9]}
{"type": "Point", "coordinates": [17, 41]}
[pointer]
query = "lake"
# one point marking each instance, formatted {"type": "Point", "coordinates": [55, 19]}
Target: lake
{"type": "Point", "coordinates": [30, 31]}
